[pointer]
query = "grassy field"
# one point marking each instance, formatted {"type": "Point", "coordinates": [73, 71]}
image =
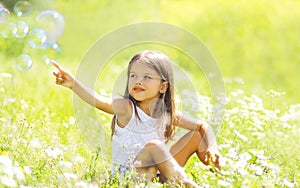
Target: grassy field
{"type": "Point", "coordinates": [256, 44]}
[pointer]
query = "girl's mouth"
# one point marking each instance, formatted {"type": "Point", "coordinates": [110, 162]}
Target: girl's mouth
{"type": "Point", "coordinates": [138, 89]}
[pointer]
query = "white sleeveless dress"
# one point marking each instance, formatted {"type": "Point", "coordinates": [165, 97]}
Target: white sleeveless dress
{"type": "Point", "coordinates": [127, 142]}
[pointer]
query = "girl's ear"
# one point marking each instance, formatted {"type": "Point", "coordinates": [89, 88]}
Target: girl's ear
{"type": "Point", "coordinates": [164, 87]}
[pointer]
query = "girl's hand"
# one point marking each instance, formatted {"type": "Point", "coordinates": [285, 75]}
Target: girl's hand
{"type": "Point", "coordinates": [63, 77]}
{"type": "Point", "coordinates": [211, 156]}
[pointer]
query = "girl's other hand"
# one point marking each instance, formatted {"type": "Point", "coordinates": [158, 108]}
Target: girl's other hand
{"type": "Point", "coordinates": [211, 157]}
{"type": "Point", "coordinates": [63, 77]}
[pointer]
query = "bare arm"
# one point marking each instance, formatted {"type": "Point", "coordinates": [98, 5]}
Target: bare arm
{"type": "Point", "coordinates": [190, 123]}
{"type": "Point", "coordinates": [210, 152]}
{"type": "Point", "coordinates": [66, 79]}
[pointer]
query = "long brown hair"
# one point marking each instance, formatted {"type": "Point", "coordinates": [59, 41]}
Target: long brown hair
{"type": "Point", "coordinates": [163, 66]}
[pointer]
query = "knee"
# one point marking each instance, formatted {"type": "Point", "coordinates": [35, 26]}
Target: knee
{"type": "Point", "coordinates": [154, 142]}
{"type": "Point", "coordinates": [157, 149]}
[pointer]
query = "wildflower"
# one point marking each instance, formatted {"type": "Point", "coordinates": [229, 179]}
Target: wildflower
{"type": "Point", "coordinates": [258, 170]}
{"type": "Point", "coordinates": [223, 183]}
{"type": "Point", "coordinates": [72, 120]}
{"type": "Point", "coordinates": [35, 143]}
{"type": "Point", "coordinates": [65, 164]}
{"type": "Point", "coordinates": [24, 104]}
{"type": "Point", "coordinates": [12, 100]}
{"type": "Point", "coordinates": [79, 159]}
{"type": "Point", "coordinates": [259, 154]}
{"type": "Point", "coordinates": [27, 169]}
{"type": "Point", "coordinates": [54, 153]}
{"type": "Point", "coordinates": [232, 153]}
{"type": "Point", "coordinates": [241, 166]}
{"type": "Point", "coordinates": [83, 184]}
{"type": "Point", "coordinates": [70, 176]}
{"type": "Point", "coordinates": [7, 181]}
{"type": "Point", "coordinates": [6, 166]}
{"type": "Point", "coordinates": [3, 120]}
{"type": "Point", "coordinates": [223, 161]}
{"type": "Point", "coordinates": [259, 134]}
{"type": "Point", "coordinates": [154, 185]}
{"type": "Point", "coordinates": [5, 75]}
{"type": "Point", "coordinates": [236, 93]}
{"type": "Point", "coordinates": [3, 153]}
{"type": "Point", "coordinates": [287, 183]}
{"type": "Point", "coordinates": [141, 185]}
{"type": "Point", "coordinates": [205, 185]}
{"type": "Point", "coordinates": [246, 183]}
{"type": "Point", "coordinates": [18, 173]}
{"type": "Point", "coordinates": [240, 135]}
{"type": "Point", "coordinates": [239, 80]}
{"type": "Point", "coordinates": [274, 93]}
{"type": "Point", "coordinates": [266, 163]}
{"type": "Point", "coordinates": [245, 156]}
{"type": "Point", "coordinates": [23, 186]}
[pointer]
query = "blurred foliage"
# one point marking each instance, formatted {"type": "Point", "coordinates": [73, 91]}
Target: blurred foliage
{"type": "Point", "coordinates": [256, 42]}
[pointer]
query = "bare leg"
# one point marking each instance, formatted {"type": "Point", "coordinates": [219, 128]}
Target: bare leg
{"type": "Point", "coordinates": [187, 145]}
{"type": "Point", "coordinates": [155, 156]}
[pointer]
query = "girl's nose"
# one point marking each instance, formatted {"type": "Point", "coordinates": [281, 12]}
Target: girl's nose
{"type": "Point", "coordinates": [139, 80]}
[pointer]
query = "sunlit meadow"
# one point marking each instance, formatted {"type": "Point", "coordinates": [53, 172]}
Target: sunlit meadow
{"type": "Point", "coordinates": [256, 45]}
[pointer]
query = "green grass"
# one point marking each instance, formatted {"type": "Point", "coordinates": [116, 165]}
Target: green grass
{"type": "Point", "coordinates": [256, 45]}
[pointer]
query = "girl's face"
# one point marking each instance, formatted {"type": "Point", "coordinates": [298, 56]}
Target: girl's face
{"type": "Point", "coordinates": [144, 83]}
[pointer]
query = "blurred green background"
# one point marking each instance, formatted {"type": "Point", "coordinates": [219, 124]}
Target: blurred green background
{"type": "Point", "coordinates": [255, 42]}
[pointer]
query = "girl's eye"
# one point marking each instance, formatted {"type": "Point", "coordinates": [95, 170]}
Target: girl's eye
{"type": "Point", "coordinates": [132, 75]}
{"type": "Point", "coordinates": [147, 77]}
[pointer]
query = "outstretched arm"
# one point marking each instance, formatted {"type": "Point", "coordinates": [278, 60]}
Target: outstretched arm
{"type": "Point", "coordinates": [66, 79]}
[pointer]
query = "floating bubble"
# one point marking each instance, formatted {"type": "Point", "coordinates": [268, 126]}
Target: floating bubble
{"type": "Point", "coordinates": [52, 51]}
{"type": "Point", "coordinates": [21, 29]}
{"type": "Point", "coordinates": [7, 29]}
{"type": "Point", "coordinates": [37, 38]}
{"type": "Point", "coordinates": [24, 63]}
{"type": "Point", "coordinates": [23, 8]}
{"type": "Point", "coordinates": [53, 23]}
{"type": "Point", "coordinates": [4, 13]}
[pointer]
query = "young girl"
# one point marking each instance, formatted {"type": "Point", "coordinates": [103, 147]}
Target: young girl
{"type": "Point", "coordinates": [144, 121]}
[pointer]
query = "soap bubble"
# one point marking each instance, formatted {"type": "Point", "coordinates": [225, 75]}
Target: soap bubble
{"type": "Point", "coordinates": [53, 23]}
{"type": "Point", "coordinates": [37, 38]}
{"type": "Point", "coordinates": [24, 63]}
{"type": "Point", "coordinates": [4, 13]}
{"type": "Point", "coordinates": [23, 8]}
{"type": "Point", "coordinates": [52, 51]}
{"type": "Point", "coordinates": [7, 29]}
{"type": "Point", "coordinates": [21, 29]}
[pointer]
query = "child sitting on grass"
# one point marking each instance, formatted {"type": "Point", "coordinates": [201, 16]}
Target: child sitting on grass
{"type": "Point", "coordinates": [144, 120]}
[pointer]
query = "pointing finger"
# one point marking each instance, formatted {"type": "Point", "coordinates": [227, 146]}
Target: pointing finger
{"type": "Point", "coordinates": [56, 65]}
